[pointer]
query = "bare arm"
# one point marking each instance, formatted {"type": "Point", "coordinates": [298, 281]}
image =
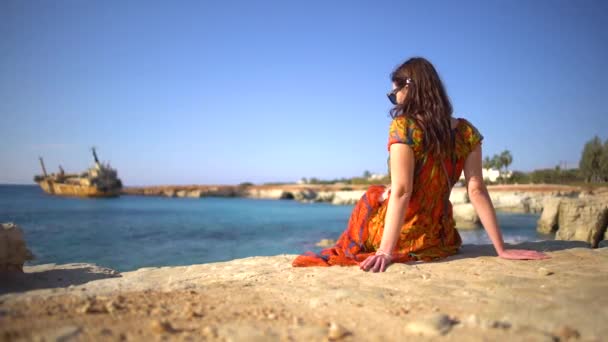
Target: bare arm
{"type": "Point", "coordinates": [480, 198]}
{"type": "Point", "coordinates": [402, 180]}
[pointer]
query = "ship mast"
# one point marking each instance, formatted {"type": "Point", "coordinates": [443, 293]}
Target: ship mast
{"type": "Point", "coordinates": [95, 155]}
{"type": "Point", "coordinates": [43, 168]}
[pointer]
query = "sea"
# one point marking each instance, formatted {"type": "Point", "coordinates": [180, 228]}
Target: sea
{"type": "Point", "coordinates": [130, 232]}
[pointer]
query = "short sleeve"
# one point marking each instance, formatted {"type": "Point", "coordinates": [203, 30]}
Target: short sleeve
{"type": "Point", "coordinates": [472, 136]}
{"type": "Point", "coordinates": [403, 131]}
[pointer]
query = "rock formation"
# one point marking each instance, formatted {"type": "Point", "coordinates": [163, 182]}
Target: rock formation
{"type": "Point", "coordinates": [13, 251]}
{"type": "Point", "coordinates": [582, 219]}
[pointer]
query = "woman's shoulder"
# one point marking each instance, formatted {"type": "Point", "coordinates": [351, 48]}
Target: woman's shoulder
{"type": "Point", "coordinates": [466, 125]}
{"type": "Point", "coordinates": [469, 133]}
{"type": "Point", "coordinates": [404, 129]}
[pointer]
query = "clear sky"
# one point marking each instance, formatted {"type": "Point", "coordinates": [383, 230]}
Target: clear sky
{"type": "Point", "coordinates": [222, 92]}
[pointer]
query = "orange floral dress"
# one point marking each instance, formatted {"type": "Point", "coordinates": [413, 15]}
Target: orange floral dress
{"type": "Point", "coordinates": [429, 231]}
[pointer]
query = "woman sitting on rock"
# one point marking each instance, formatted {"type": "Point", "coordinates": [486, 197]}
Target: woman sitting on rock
{"type": "Point", "coordinates": [412, 219]}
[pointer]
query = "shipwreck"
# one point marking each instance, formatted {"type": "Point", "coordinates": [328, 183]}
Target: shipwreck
{"type": "Point", "coordinates": [98, 181]}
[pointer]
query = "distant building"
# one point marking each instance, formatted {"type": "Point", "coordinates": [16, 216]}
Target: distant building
{"type": "Point", "coordinates": [491, 175]}
{"type": "Point", "coordinates": [375, 176]}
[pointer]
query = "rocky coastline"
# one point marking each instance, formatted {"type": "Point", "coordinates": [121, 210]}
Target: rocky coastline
{"type": "Point", "coordinates": [582, 213]}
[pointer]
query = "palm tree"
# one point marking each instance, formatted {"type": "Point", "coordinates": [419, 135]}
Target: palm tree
{"type": "Point", "coordinates": [488, 163]}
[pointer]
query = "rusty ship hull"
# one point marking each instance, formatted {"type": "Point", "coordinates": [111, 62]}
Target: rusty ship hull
{"type": "Point", "coordinates": [76, 190]}
{"type": "Point", "coordinates": [101, 180]}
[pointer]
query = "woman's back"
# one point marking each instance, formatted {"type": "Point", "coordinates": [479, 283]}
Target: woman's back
{"type": "Point", "coordinates": [428, 231]}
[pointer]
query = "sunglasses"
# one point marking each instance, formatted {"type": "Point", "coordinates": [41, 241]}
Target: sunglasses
{"type": "Point", "coordinates": [392, 96]}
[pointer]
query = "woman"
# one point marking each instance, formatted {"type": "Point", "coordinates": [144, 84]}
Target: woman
{"type": "Point", "coordinates": [412, 219]}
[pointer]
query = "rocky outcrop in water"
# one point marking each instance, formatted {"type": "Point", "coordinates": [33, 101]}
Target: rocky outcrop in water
{"type": "Point", "coordinates": [581, 219]}
{"type": "Point", "coordinates": [13, 251]}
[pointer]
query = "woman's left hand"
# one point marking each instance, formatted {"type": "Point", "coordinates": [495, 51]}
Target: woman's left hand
{"type": "Point", "coordinates": [378, 262]}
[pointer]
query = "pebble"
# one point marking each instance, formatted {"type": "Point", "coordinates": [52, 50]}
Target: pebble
{"type": "Point", "coordinates": [336, 331]}
{"type": "Point", "coordinates": [112, 306]}
{"type": "Point", "coordinates": [297, 321]}
{"type": "Point", "coordinates": [161, 326]}
{"type": "Point", "coordinates": [65, 333]}
{"type": "Point", "coordinates": [210, 331]}
{"type": "Point", "coordinates": [271, 316]}
{"type": "Point", "coordinates": [565, 333]}
{"type": "Point", "coordinates": [435, 325]}
{"type": "Point", "coordinates": [476, 321]}
{"type": "Point", "coordinates": [544, 272]}
{"type": "Point", "coordinates": [315, 303]}
{"type": "Point", "coordinates": [89, 308]}
{"type": "Point", "coordinates": [500, 325]}
{"type": "Point", "coordinates": [191, 312]}
{"type": "Point", "coordinates": [105, 332]}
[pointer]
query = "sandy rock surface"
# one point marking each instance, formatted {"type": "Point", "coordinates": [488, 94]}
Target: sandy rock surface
{"type": "Point", "coordinates": [473, 296]}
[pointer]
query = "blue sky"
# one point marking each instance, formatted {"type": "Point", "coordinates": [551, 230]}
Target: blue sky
{"type": "Point", "coordinates": [222, 92]}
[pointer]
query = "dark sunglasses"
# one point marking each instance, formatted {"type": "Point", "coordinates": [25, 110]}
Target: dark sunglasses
{"type": "Point", "coordinates": [392, 96]}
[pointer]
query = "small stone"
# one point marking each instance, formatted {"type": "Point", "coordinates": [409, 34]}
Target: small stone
{"type": "Point", "coordinates": [314, 303]}
{"type": "Point", "coordinates": [190, 312]}
{"type": "Point", "coordinates": [500, 325]}
{"type": "Point", "coordinates": [544, 272]}
{"type": "Point", "coordinates": [472, 320]}
{"type": "Point", "coordinates": [112, 307]}
{"type": "Point", "coordinates": [271, 316]}
{"type": "Point", "coordinates": [565, 333]}
{"type": "Point", "coordinates": [89, 308]}
{"type": "Point", "coordinates": [297, 321]}
{"type": "Point", "coordinates": [336, 331]}
{"type": "Point", "coordinates": [438, 324]}
{"type": "Point", "coordinates": [66, 333]}
{"type": "Point", "coordinates": [105, 332]}
{"type": "Point", "coordinates": [210, 331]}
{"type": "Point", "coordinates": [161, 327]}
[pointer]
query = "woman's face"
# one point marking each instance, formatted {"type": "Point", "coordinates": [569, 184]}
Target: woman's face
{"type": "Point", "coordinates": [401, 94]}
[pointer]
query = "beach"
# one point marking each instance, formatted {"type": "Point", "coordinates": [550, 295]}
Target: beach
{"type": "Point", "coordinates": [473, 295]}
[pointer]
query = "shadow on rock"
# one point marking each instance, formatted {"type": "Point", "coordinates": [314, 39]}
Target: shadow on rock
{"type": "Point", "coordinates": [473, 251]}
{"type": "Point", "coordinates": [50, 276]}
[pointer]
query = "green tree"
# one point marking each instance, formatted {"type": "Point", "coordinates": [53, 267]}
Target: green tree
{"type": "Point", "coordinates": [506, 159]}
{"type": "Point", "coordinates": [488, 163]}
{"type": "Point", "coordinates": [591, 160]}
{"type": "Point", "coordinates": [366, 174]}
{"type": "Point", "coordinates": [604, 162]}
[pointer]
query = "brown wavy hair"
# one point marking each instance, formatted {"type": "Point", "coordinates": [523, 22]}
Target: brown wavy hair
{"type": "Point", "coordinates": [427, 103]}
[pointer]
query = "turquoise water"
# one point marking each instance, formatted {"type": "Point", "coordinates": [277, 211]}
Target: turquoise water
{"type": "Point", "coordinates": [130, 232]}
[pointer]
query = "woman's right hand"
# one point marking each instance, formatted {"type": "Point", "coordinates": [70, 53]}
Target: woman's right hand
{"type": "Point", "coordinates": [522, 254]}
